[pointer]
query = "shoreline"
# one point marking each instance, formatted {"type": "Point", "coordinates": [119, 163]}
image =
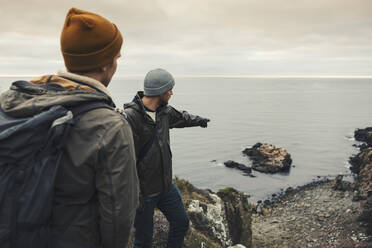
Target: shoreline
{"type": "Point", "coordinates": [323, 213]}
{"type": "Point", "coordinates": [312, 215]}
{"type": "Point", "coordinates": [287, 192]}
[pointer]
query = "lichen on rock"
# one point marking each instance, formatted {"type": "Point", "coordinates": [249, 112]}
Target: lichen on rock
{"type": "Point", "coordinates": [238, 215]}
{"type": "Point", "coordinates": [224, 217]}
{"type": "Point", "coordinates": [210, 220]}
{"type": "Point", "coordinates": [216, 220]}
{"type": "Point", "coordinates": [268, 158]}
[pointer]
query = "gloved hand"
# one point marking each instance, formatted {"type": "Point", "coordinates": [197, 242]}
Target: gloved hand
{"type": "Point", "coordinates": [204, 122]}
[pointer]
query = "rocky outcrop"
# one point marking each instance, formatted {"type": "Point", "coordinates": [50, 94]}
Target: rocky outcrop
{"type": "Point", "coordinates": [365, 186]}
{"type": "Point", "coordinates": [339, 184]}
{"type": "Point", "coordinates": [312, 215]}
{"type": "Point", "coordinates": [238, 216]}
{"type": "Point", "coordinates": [217, 220]}
{"type": "Point", "coordinates": [364, 135]}
{"type": "Point", "coordinates": [361, 164]}
{"type": "Point", "coordinates": [232, 164]}
{"type": "Point", "coordinates": [268, 158]}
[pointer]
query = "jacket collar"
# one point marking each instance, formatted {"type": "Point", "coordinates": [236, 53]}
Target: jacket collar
{"type": "Point", "coordinates": [86, 80]}
{"type": "Point", "coordinates": [137, 101]}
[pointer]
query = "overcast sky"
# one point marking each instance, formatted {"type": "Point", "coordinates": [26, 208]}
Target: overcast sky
{"type": "Point", "coordinates": [218, 37]}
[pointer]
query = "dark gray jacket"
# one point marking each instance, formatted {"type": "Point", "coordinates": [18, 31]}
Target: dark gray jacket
{"type": "Point", "coordinates": [155, 168]}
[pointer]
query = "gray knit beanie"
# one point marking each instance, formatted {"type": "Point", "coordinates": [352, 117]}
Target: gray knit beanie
{"type": "Point", "coordinates": [157, 82]}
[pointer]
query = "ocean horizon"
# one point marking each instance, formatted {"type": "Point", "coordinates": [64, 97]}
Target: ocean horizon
{"type": "Point", "coordinates": [312, 118]}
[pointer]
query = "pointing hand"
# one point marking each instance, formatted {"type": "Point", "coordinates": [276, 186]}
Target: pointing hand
{"type": "Point", "coordinates": [204, 122]}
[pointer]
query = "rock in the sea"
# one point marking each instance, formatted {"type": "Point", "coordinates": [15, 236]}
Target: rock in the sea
{"type": "Point", "coordinates": [269, 158]}
{"type": "Point", "coordinates": [242, 167]}
{"type": "Point", "coordinates": [216, 220]}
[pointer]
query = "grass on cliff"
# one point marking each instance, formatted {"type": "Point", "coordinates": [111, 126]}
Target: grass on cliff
{"type": "Point", "coordinates": [190, 192]}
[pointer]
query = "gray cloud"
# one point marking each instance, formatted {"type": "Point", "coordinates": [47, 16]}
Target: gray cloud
{"type": "Point", "coordinates": [203, 37]}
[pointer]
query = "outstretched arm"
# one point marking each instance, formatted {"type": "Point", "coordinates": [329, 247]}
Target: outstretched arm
{"type": "Point", "coordinates": [182, 119]}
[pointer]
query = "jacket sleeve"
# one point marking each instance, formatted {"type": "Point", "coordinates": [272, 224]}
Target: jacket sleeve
{"type": "Point", "coordinates": [117, 184]}
{"type": "Point", "coordinates": [180, 119]}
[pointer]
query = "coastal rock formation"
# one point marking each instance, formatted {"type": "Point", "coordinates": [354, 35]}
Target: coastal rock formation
{"type": "Point", "coordinates": [269, 158]}
{"type": "Point", "coordinates": [232, 164]}
{"type": "Point", "coordinates": [217, 220]}
{"type": "Point", "coordinates": [339, 184]}
{"type": "Point", "coordinates": [313, 215]}
{"type": "Point", "coordinates": [361, 164]}
{"type": "Point", "coordinates": [364, 135]}
{"type": "Point", "coordinates": [238, 216]}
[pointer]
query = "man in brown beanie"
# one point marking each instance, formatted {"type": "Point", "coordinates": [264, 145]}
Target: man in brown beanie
{"type": "Point", "coordinates": [96, 185]}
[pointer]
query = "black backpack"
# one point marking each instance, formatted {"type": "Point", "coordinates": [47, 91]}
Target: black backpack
{"type": "Point", "coordinates": [30, 153]}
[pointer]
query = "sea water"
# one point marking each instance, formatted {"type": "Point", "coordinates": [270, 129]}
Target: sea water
{"type": "Point", "coordinates": [312, 118]}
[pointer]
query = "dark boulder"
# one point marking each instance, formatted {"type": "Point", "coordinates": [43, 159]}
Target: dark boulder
{"type": "Point", "coordinates": [242, 167]}
{"type": "Point", "coordinates": [268, 158]}
{"type": "Point", "coordinates": [360, 159]}
{"type": "Point", "coordinates": [339, 184]}
{"type": "Point", "coordinates": [364, 135]}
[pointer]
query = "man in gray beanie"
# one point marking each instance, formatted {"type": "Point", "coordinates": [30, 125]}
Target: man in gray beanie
{"type": "Point", "coordinates": [151, 117]}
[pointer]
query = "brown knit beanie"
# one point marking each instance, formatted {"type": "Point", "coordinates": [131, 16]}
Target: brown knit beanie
{"type": "Point", "coordinates": [88, 41]}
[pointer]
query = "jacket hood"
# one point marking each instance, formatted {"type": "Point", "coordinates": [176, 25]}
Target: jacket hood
{"type": "Point", "coordinates": [25, 99]}
{"type": "Point", "coordinates": [136, 103]}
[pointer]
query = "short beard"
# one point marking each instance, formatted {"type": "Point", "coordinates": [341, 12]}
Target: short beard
{"type": "Point", "coordinates": [163, 103]}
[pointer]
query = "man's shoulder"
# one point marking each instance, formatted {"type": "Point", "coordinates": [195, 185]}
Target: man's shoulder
{"type": "Point", "coordinates": [132, 109]}
{"type": "Point", "coordinates": [168, 109]}
{"type": "Point", "coordinates": [102, 119]}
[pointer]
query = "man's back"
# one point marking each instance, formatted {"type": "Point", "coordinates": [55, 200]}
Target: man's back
{"type": "Point", "coordinates": [91, 200]}
{"type": "Point", "coordinates": [96, 188]}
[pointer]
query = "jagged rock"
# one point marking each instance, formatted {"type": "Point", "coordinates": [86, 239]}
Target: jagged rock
{"type": "Point", "coordinates": [361, 146]}
{"type": "Point", "coordinates": [337, 183]}
{"type": "Point", "coordinates": [340, 185]}
{"type": "Point", "coordinates": [242, 167]}
{"type": "Point", "coordinates": [238, 214]}
{"type": "Point", "coordinates": [360, 159]}
{"type": "Point", "coordinates": [361, 164]}
{"type": "Point", "coordinates": [215, 221]}
{"type": "Point", "coordinates": [364, 135]}
{"type": "Point", "coordinates": [269, 158]}
{"type": "Point", "coordinates": [365, 188]}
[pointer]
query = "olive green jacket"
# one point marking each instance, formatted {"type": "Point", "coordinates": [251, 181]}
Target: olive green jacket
{"type": "Point", "coordinates": [96, 188]}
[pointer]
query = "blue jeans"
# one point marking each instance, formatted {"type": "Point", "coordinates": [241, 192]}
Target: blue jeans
{"type": "Point", "coordinates": [170, 204]}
